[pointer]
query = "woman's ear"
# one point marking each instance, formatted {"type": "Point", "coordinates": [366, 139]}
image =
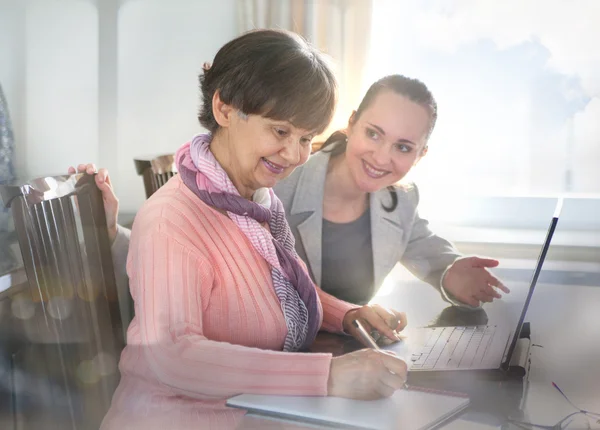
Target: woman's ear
{"type": "Point", "coordinates": [221, 110]}
{"type": "Point", "coordinates": [351, 122]}
{"type": "Point", "coordinates": [352, 119]}
{"type": "Point", "coordinates": [421, 155]}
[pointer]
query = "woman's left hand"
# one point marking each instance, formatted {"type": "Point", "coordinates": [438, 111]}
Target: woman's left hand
{"type": "Point", "coordinates": [375, 317]}
{"type": "Point", "coordinates": [469, 281]}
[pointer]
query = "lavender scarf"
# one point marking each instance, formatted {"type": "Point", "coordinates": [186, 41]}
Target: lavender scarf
{"type": "Point", "coordinates": [202, 174]}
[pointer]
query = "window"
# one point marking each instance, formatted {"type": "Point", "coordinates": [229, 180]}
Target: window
{"type": "Point", "coordinates": [518, 88]}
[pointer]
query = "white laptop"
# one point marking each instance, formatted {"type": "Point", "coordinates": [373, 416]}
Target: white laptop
{"type": "Point", "coordinates": [483, 347]}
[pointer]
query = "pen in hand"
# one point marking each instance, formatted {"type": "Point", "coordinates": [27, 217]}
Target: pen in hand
{"type": "Point", "coordinates": [368, 340]}
{"type": "Point", "coordinates": [365, 337]}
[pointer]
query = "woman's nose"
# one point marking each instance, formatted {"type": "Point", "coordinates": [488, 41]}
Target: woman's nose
{"type": "Point", "coordinates": [291, 151]}
{"type": "Point", "coordinates": [381, 155]}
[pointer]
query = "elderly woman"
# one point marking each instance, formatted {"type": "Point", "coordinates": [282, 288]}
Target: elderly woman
{"type": "Point", "coordinates": [223, 304]}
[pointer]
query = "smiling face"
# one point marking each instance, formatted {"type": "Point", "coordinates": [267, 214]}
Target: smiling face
{"type": "Point", "coordinates": [255, 151]}
{"type": "Point", "coordinates": [386, 140]}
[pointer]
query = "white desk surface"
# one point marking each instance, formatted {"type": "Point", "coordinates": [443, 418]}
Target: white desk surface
{"type": "Point", "coordinates": [565, 321]}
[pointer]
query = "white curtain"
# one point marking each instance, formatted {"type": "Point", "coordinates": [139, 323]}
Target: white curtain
{"type": "Point", "coordinates": [340, 28]}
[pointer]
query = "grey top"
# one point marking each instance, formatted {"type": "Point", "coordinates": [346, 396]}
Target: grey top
{"type": "Point", "coordinates": [347, 264]}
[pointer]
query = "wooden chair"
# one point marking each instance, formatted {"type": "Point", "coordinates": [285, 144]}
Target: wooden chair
{"type": "Point", "coordinates": [67, 321]}
{"type": "Point", "coordinates": [155, 171]}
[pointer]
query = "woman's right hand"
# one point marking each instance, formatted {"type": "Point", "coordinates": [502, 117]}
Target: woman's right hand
{"type": "Point", "coordinates": [366, 374]}
{"type": "Point", "coordinates": [111, 202]}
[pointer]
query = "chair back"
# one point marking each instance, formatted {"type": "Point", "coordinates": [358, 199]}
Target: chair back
{"type": "Point", "coordinates": [71, 327]}
{"type": "Point", "coordinates": [155, 171]}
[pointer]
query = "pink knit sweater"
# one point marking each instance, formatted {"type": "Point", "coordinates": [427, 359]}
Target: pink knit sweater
{"type": "Point", "coordinates": [207, 324]}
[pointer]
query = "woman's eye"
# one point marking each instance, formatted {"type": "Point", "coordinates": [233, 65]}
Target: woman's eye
{"type": "Point", "coordinates": [403, 147]}
{"type": "Point", "coordinates": [372, 134]}
{"type": "Point", "coordinates": [305, 141]}
{"type": "Point", "coordinates": [281, 132]}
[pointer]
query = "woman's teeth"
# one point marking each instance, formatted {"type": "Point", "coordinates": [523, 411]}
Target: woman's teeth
{"type": "Point", "coordinates": [373, 172]}
{"type": "Point", "coordinates": [275, 168]}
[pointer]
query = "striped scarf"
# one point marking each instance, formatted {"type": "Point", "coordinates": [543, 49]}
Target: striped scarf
{"type": "Point", "coordinates": [297, 294]}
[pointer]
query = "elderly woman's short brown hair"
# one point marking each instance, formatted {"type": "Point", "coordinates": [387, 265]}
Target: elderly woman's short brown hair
{"type": "Point", "coordinates": [272, 73]}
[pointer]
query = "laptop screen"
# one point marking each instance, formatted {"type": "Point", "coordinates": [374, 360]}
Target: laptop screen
{"type": "Point", "coordinates": [536, 274]}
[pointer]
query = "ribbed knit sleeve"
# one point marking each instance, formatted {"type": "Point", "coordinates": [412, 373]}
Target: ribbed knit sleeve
{"type": "Point", "coordinates": [334, 311]}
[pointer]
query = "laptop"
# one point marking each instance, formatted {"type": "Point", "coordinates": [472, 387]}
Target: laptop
{"type": "Point", "coordinates": [486, 348]}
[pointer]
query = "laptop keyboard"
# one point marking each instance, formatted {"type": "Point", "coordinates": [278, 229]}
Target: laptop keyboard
{"type": "Point", "coordinates": [454, 347]}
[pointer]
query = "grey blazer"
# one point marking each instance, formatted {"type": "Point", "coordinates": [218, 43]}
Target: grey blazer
{"type": "Point", "coordinates": [398, 236]}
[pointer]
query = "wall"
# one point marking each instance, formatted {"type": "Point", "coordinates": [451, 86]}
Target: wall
{"type": "Point", "coordinates": [61, 74]}
{"type": "Point", "coordinates": [54, 82]}
{"type": "Point", "coordinates": [161, 51]}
